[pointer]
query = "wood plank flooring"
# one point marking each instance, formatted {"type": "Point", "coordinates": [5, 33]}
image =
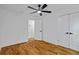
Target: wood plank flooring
{"type": "Point", "coordinates": [36, 47]}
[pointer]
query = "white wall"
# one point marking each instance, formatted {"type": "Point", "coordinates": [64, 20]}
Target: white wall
{"type": "Point", "coordinates": [50, 29]}
{"type": "Point", "coordinates": [13, 25]}
{"type": "Point", "coordinates": [13, 28]}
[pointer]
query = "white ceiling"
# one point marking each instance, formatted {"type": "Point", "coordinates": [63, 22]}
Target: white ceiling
{"type": "Point", "coordinates": [57, 9]}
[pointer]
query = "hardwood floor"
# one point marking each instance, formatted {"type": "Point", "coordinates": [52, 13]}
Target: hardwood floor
{"type": "Point", "coordinates": [36, 47]}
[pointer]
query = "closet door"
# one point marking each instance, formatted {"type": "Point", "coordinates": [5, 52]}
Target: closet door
{"type": "Point", "coordinates": [74, 28]}
{"type": "Point", "coordinates": [63, 31]}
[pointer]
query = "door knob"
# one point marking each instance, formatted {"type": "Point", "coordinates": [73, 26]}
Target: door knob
{"type": "Point", "coordinates": [40, 30]}
{"type": "Point", "coordinates": [69, 33]}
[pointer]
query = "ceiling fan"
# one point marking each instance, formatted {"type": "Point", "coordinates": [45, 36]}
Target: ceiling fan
{"type": "Point", "coordinates": [40, 9]}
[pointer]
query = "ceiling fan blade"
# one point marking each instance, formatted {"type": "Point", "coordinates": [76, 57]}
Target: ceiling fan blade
{"type": "Point", "coordinates": [47, 11]}
{"type": "Point", "coordinates": [40, 14]}
{"type": "Point", "coordinates": [44, 6]}
{"type": "Point", "coordinates": [33, 12]}
{"type": "Point", "coordinates": [31, 8]}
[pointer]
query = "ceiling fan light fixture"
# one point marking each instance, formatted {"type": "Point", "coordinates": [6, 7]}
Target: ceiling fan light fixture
{"type": "Point", "coordinates": [38, 12]}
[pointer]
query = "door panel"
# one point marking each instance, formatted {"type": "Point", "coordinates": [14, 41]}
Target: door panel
{"type": "Point", "coordinates": [38, 29]}
{"type": "Point", "coordinates": [35, 29]}
{"type": "Point", "coordinates": [63, 28]}
{"type": "Point", "coordinates": [31, 28]}
{"type": "Point", "coordinates": [74, 28]}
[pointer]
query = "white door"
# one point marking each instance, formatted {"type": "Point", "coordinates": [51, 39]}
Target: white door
{"type": "Point", "coordinates": [74, 28]}
{"type": "Point", "coordinates": [35, 29]}
{"type": "Point", "coordinates": [31, 28]}
{"type": "Point", "coordinates": [63, 29]}
{"type": "Point", "coordinates": [38, 29]}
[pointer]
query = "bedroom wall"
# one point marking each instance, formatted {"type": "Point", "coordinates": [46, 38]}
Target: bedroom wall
{"type": "Point", "coordinates": [51, 33]}
{"type": "Point", "coordinates": [13, 27]}
{"type": "Point", "coordinates": [50, 28]}
{"type": "Point", "coordinates": [13, 24]}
